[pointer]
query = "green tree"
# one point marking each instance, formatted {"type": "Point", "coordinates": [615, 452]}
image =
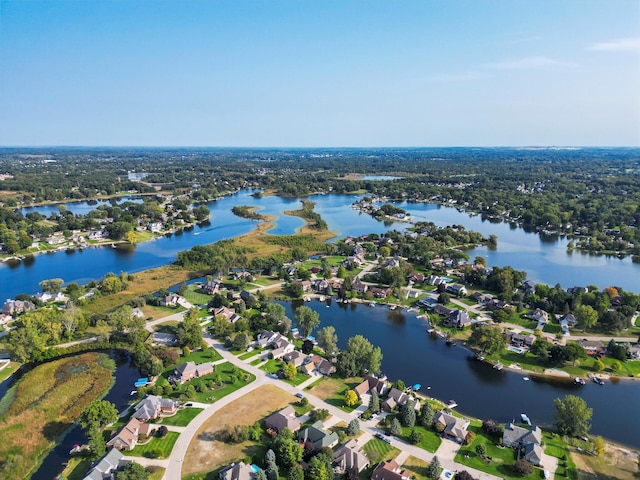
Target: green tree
{"type": "Point", "coordinates": [488, 339]}
{"type": "Point", "coordinates": [415, 437]}
{"type": "Point", "coordinates": [97, 444]}
{"type": "Point", "coordinates": [99, 414]}
{"type": "Point", "coordinates": [572, 416]}
{"type": "Point", "coordinates": [307, 320]}
{"type": "Point", "coordinates": [598, 445]}
{"type": "Point", "coordinates": [318, 469]}
{"type": "Point", "coordinates": [426, 414]}
{"type": "Point", "coordinates": [434, 468]}
{"type": "Point", "coordinates": [586, 316]}
{"type": "Point", "coordinates": [132, 471]}
{"type": "Point", "coordinates": [374, 403]}
{"type": "Point", "coordinates": [354, 427]}
{"type": "Point", "coordinates": [395, 429]}
{"type": "Point", "coordinates": [408, 414]}
{"type": "Point", "coordinates": [189, 331]}
{"type": "Point", "coordinates": [295, 472]}
{"type": "Point", "coordinates": [287, 451]}
{"type": "Point", "coordinates": [52, 285]}
{"type": "Point", "coordinates": [260, 475]}
{"type": "Point", "coordinates": [241, 342]}
{"type": "Point", "coordinates": [290, 371]}
{"type": "Point", "coordinates": [328, 340]}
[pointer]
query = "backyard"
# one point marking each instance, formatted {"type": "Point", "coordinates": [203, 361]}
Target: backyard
{"type": "Point", "coordinates": [156, 447]}
{"type": "Point", "coordinates": [332, 390]}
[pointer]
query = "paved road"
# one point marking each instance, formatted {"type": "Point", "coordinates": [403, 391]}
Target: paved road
{"type": "Point", "coordinates": [174, 466]}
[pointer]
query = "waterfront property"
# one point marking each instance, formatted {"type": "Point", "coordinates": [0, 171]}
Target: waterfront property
{"type": "Point", "coordinates": [106, 466]}
{"type": "Point", "coordinates": [452, 427]}
{"type": "Point", "coordinates": [152, 406]}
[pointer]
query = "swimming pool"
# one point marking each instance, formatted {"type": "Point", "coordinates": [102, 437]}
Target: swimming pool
{"type": "Point", "coordinates": [516, 349]}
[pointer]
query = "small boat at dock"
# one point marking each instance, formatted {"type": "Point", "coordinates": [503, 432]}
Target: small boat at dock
{"type": "Point", "coordinates": [525, 419]}
{"type": "Point", "coordinates": [498, 366]}
{"type": "Point", "coordinates": [141, 382]}
{"type": "Point", "coordinates": [579, 381]}
{"type": "Point", "coordinates": [598, 380]}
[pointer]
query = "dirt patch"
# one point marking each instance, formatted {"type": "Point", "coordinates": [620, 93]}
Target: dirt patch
{"type": "Point", "coordinates": [206, 453]}
{"type": "Point", "coordinates": [617, 463]}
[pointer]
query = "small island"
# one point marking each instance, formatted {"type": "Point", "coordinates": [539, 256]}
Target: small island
{"type": "Point", "coordinates": [245, 211]}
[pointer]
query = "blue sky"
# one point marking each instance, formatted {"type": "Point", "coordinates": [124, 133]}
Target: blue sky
{"type": "Point", "coordinates": [319, 73]}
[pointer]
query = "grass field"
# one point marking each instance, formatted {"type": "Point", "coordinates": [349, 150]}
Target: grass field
{"type": "Point", "coordinates": [332, 390]}
{"type": "Point", "coordinates": [616, 463]}
{"type": "Point", "coordinates": [430, 439]}
{"type": "Point", "coordinates": [182, 417]}
{"type": "Point", "coordinates": [502, 458]}
{"type": "Point", "coordinates": [201, 356]}
{"type": "Point", "coordinates": [161, 446]}
{"type": "Point", "coordinates": [248, 355]}
{"type": "Point", "coordinates": [143, 282]}
{"type": "Point", "coordinates": [194, 297]}
{"type": "Point", "coordinates": [157, 312]}
{"type": "Point", "coordinates": [207, 453]}
{"type": "Point", "coordinates": [416, 467]}
{"type": "Point", "coordinates": [376, 450]}
{"type": "Point", "coordinates": [274, 366]}
{"type": "Point", "coordinates": [76, 469]}
{"type": "Point", "coordinates": [47, 401]}
{"type": "Point", "coordinates": [8, 370]}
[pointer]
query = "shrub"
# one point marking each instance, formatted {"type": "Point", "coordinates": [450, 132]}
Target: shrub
{"type": "Point", "coordinates": [162, 432]}
{"type": "Point", "coordinates": [523, 468]}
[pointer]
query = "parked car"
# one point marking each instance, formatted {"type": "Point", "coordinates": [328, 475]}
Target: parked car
{"type": "Point", "coordinates": [299, 395]}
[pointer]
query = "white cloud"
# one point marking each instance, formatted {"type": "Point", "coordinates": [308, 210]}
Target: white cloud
{"type": "Point", "coordinates": [619, 45]}
{"type": "Point", "coordinates": [530, 63]}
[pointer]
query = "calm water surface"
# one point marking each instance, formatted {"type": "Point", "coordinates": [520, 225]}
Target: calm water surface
{"type": "Point", "coordinates": [545, 260]}
{"type": "Point", "coordinates": [414, 356]}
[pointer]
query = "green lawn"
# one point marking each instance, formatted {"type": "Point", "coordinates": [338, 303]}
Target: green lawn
{"type": "Point", "coordinates": [201, 356]}
{"type": "Point", "coordinates": [430, 439]}
{"type": "Point", "coordinates": [252, 353]}
{"type": "Point", "coordinates": [162, 446]}
{"type": "Point", "coordinates": [266, 281]}
{"type": "Point", "coordinates": [255, 362]}
{"type": "Point", "coordinates": [8, 370]}
{"type": "Point", "coordinates": [502, 458]}
{"type": "Point", "coordinates": [376, 450]}
{"type": "Point", "coordinates": [194, 297]}
{"type": "Point", "coordinates": [182, 417]}
{"type": "Point", "coordinates": [332, 390]}
{"type": "Point", "coordinates": [274, 366]}
{"type": "Point", "coordinates": [556, 447]}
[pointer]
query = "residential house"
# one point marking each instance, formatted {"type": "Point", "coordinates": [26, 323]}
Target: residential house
{"type": "Point", "coordinates": [306, 285]}
{"type": "Point", "coordinates": [322, 365]}
{"type": "Point", "coordinates": [226, 312]}
{"type": "Point", "coordinates": [359, 287]}
{"type": "Point", "coordinates": [593, 347]}
{"type": "Point", "coordinates": [106, 466]}
{"type": "Point", "coordinates": [634, 352]}
{"type": "Point", "coordinates": [172, 300]}
{"type": "Point", "coordinates": [482, 298]}
{"type": "Point", "coordinates": [152, 406]}
{"type": "Point", "coordinates": [16, 307]}
{"type": "Point", "coordinates": [296, 357]}
{"type": "Point", "coordinates": [137, 313]}
{"type": "Point", "coordinates": [237, 471]}
{"type": "Point", "coordinates": [55, 240]}
{"type": "Point", "coordinates": [458, 319]}
{"type": "Point", "coordinates": [321, 285]}
{"type": "Point", "coordinates": [285, 418]}
{"type": "Point", "coordinates": [389, 470]}
{"type": "Point", "coordinates": [381, 292]}
{"type": "Point", "coordinates": [248, 296]}
{"type": "Point", "coordinates": [394, 399]}
{"type": "Point", "coordinates": [97, 235]}
{"type": "Point", "coordinates": [314, 437]}
{"type": "Point", "coordinates": [155, 227]}
{"type": "Point", "coordinates": [371, 383]}
{"type": "Point", "coordinates": [127, 437]}
{"type": "Point", "coordinates": [528, 287]}
{"type": "Point", "coordinates": [211, 288]}
{"type": "Point", "coordinates": [454, 428]}
{"type": "Point", "coordinates": [570, 319]}
{"type": "Point", "coordinates": [458, 290]}
{"type": "Point", "coordinates": [520, 339]}
{"type": "Point", "coordinates": [350, 456]}
{"type": "Point", "coordinates": [280, 344]}
{"type": "Point", "coordinates": [427, 303]}
{"type": "Point", "coordinates": [46, 297]}
{"type": "Point", "coordinates": [417, 277]}
{"type": "Point", "coordinates": [442, 310]}
{"type": "Point", "coordinates": [434, 280]}
{"type": "Point", "coordinates": [526, 442]}
{"type": "Point", "coordinates": [5, 318]}
{"type": "Point", "coordinates": [576, 290]}
{"type": "Point", "coordinates": [496, 304]}
{"type": "Point", "coordinates": [189, 370]}
{"type": "Point", "coordinates": [540, 316]}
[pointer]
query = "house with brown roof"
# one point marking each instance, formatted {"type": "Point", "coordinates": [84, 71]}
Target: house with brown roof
{"type": "Point", "coordinates": [394, 399]}
{"type": "Point", "coordinates": [371, 383]}
{"type": "Point", "coordinates": [454, 428]}
{"type": "Point", "coordinates": [226, 312]}
{"type": "Point", "coordinates": [189, 370]}
{"type": "Point", "coordinates": [359, 287]}
{"type": "Point", "coordinates": [285, 418]}
{"type": "Point", "coordinates": [212, 287]}
{"type": "Point", "coordinates": [127, 437]}
{"type": "Point", "coordinates": [349, 456]}
{"type": "Point", "coordinates": [593, 347]}
{"type": "Point", "coordinates": [389, 470]}
{"type": "Point", "coordinates": [381, 292]}
{"type": "Point", "coordinates": [322, 365]}
{"type": "Point", "coordinates": [520, 339]}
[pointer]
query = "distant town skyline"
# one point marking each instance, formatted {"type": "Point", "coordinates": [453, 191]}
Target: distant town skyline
{"type": "Point", "coordinates": [319, 74]}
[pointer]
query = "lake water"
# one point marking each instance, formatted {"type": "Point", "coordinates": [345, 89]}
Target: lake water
{"type": "Point", "coordinates": [545, 259]}
{"type": "Point", "coordinates": [77, 208]}
{"type": "Point", "coordinates": [414, 356]}
{"type": "Point", "coordinates": [125, 375]}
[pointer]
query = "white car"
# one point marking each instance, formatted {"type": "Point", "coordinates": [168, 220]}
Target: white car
{"type": "Point", "coordinates": [546, 474]}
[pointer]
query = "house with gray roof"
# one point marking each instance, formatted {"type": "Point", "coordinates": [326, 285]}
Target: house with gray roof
{"type": "Point", "coordinates": [315, 437]}
{"type": "Point", "coordinates": [106, 465]}
{"type": "Point", "coordinates": [394, 399]}
{"type": "Point", "coordinates": [526, 441]}
{"type": "Point", "coordinates": [285, 418]}
{"type": "Point", "coordinates": [350, 455]}
{"type": "Point", "coordinates": [152, 406]}
{"type": "Point", "coordinates": [237, 471]}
